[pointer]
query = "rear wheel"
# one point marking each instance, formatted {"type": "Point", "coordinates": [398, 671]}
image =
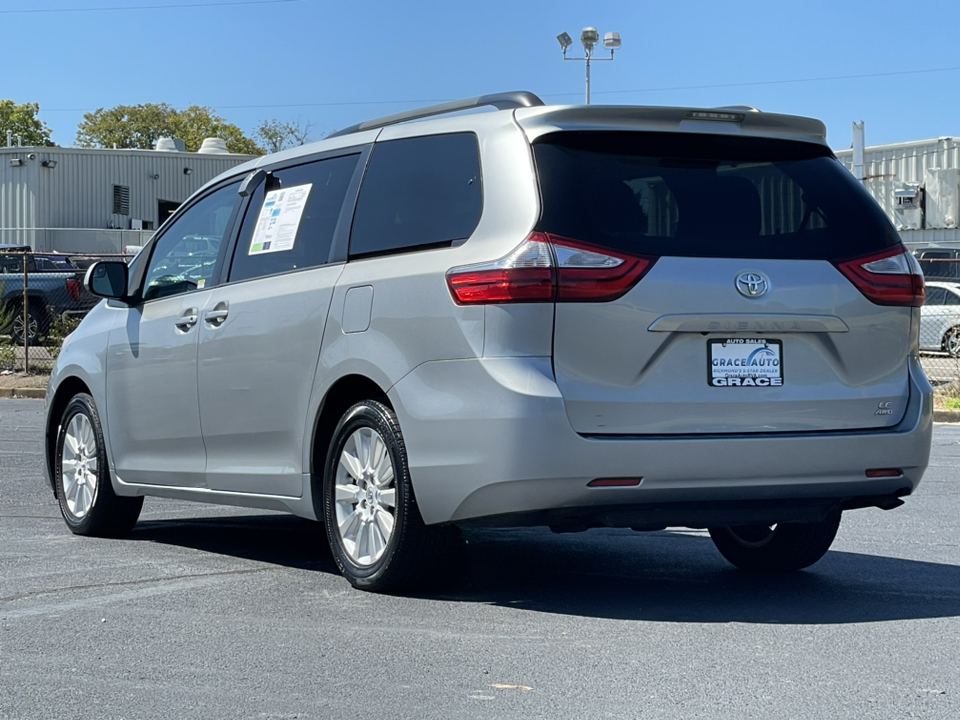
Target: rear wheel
{"type": "Point", "coordinates": [87, 500]}
{"type": "Point", "coordinates": [31, 326]}
{"type": "Point", "coordinates": [951, 342]}
{"type": "Point", "coordinates": [786, 546]}
{"type": "Point", "coordinates": [376, 534]}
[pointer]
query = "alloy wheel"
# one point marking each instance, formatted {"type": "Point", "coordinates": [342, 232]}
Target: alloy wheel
{"type": "Point", "coordinates": [78, 466]}
{"type": "Point", "coordinates": [366, 497]}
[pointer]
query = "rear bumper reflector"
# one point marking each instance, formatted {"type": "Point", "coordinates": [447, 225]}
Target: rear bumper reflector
{"type": "Point", "coordinates": [615, 482]}
{"type": "Point", "coordinates": [883, 473]}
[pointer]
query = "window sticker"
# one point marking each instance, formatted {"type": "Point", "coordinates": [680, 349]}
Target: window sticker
{"type": "Point", "coordinates": [279, 220]}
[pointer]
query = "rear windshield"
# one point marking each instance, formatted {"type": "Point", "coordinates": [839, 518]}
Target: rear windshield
{"type": "Point", "coordinates": [706, 196]}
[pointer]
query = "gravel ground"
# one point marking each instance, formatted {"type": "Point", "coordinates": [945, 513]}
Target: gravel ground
{"type": "Point", "coordinates": [24, 380]}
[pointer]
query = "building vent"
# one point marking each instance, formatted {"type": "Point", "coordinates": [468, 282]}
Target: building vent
{"type": "Point", "coordinates": [170, 144]}
{"type": "Point", "coordinates": [121, 200]}
{"type": "Point", "coordinates": [214, 146]}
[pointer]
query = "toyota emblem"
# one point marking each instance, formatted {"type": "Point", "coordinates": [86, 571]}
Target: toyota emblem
{"type": "Point", "coordinates": [752, 284]}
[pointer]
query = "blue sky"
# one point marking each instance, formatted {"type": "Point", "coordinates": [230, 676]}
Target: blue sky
{"type": "Point", "coordinates": [336, 63]}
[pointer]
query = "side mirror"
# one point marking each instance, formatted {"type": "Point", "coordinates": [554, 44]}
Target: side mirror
{"type": "Point", "coordinates": [107, 279]}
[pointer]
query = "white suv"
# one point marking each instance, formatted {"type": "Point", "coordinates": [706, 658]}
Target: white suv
{"type": "Point", "coordinates": [567, 316]}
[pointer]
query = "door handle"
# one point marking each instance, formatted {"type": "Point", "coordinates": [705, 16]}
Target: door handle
{"type": "Point", "coordinates": [187, 320]}
{"type": "Point", "coordinates": [218, 314]}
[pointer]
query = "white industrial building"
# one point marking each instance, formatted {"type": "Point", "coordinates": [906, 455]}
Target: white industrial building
{"type": "Point", "coordinates": [916, 183]}
{"type": "Point", "coordinates": [77, 200]}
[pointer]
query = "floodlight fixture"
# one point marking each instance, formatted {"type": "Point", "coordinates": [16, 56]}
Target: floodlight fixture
{"type": "Point", "coordinates": [188, 171]}
{"type": "Point", "coordinates": [611, 40]}
{"type": "Point", "coordinates": [589, 38]}
{"type": "Point", "coordinates": [49, 164]}
{"type": "Point", "coordinates": [16, 162]}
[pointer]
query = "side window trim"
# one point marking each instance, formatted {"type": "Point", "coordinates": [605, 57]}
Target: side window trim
{"type": "Point", "coordinates": [341, 234]}
{"type": "Point", "coordinates": [143, 264]}
{"type": "Point", "coordinates": [340, 248]}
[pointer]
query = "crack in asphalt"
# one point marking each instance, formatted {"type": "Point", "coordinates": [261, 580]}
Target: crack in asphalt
{"type": "Point", "coordinates": [128, 583]}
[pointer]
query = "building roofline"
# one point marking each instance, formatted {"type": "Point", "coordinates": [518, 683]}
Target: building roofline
{"type": "Point", "coordinates": [116, 151]}
{"type": "Point", "coordinates": [895, 146]}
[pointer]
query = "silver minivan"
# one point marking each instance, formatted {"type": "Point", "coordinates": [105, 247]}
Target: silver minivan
{"type": "Point", "coordinates": [576, 317]}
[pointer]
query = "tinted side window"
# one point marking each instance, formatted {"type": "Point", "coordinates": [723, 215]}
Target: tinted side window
{"type": "Point", "coordinates": [418, 193]}
{"type": "Point", "coordinates": [185, 257]}
{"type": "Point", "coordinates": [271, 238]}
{"type": "Point", "coordinates": [12, 264]}
{"type": "Point", "coordinates": [936, 296]}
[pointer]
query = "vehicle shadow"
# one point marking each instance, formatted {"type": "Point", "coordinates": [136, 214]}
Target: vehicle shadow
{"type": "Point", "coordinates": [666, 576]}
{"type": "Point", "coordinates": [276, 539]}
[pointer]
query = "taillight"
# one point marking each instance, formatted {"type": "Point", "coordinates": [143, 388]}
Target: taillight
{"type": "Point", "coordinates": [546, 267]}
{"type": "Point", "coordinates": [891, 277]}
{"type": "Point", "coordinates": [73, 288]}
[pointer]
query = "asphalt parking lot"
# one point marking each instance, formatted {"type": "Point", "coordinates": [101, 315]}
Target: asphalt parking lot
{"type": "Point", "coordinates": [209, 612]}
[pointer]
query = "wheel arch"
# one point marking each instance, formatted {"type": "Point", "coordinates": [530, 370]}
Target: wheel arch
{"type": "Point", "coordinates": [345, 392]}
{"type": "Point", "coordinates": [65, 392]}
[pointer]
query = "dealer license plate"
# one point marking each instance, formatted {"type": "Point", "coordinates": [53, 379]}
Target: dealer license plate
{"type": "Point", "coordinates": [745, 362]}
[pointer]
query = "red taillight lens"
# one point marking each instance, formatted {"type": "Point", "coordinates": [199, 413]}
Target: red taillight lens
{"type": "Point", "coordinates": [549, 267]}
{"type": "Point", "coordinates": [525, 275]}
{"type": "Point", "coordinates": [892, 277]}
{"type": "Point", "coordinates": [588, 273]}
{"type": "Point", "coordinates": [73, 288]}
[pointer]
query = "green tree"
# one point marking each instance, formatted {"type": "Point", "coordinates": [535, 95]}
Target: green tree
{"type": "Point", "coordinates": [277, 136]}
{"type": "Point", "coordinates": [196, 123]}
{"type": "Point", "coordinates": [22, 120]}
{"type": "Point", "coordinates": [139, 126]}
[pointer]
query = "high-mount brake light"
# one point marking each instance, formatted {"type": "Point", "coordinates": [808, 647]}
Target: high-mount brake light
{"type": "Point", "coordinates": [891, 277]}
{"type": "Point", "coordinates": [545, 268]}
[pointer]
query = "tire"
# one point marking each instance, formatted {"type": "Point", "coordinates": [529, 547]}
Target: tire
{"type": "Point", "coordinates": [35, 323]}
{"type": "Point", "coordinates": [776, 548]}
{"type": "Point", "coordinates": [951, 342]}
{"type": "Point", "coordinates": [376, 534]}
{"type": "Point", "coordinates": [87, 500]}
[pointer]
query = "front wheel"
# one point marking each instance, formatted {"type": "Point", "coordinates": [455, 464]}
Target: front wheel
{"type": "Point", "coordinates": [87, 500]}
{"type": "Point", "coordinates": [376, 534]}
{"type": "Point", "coordinates": [771, 548]}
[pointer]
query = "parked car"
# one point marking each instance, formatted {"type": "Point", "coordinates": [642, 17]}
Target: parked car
{"type": "Point", "coordinates": [577, 317]}
{"type": "Point", "coordinates": [940, 318]}
{"type": "Point", "coordinates": [54, 289]}
{"type": "Point", "coordinates": [939, 263]}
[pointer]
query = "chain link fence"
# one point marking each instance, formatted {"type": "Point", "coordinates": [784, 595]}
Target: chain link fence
{"type": "Point", "coordinates": [75, 240]}
{"type": "Point", "coordinates": [940, 319]}
{"type": "Point", "coordinates": [42, 300]}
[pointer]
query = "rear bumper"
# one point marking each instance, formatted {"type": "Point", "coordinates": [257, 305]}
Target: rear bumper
{"type": "Point", "coordinates": [488, 441]}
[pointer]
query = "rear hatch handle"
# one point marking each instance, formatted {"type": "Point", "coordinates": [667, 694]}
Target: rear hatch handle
{"type": "Point", "coordinates": [748, 322]}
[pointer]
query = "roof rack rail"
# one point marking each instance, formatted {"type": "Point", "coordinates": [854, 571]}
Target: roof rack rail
{"type": "Point", "coordinates": [501, 101]}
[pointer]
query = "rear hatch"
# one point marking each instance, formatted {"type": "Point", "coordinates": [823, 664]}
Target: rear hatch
{"type": "Point", "coordinates": [775, 296]}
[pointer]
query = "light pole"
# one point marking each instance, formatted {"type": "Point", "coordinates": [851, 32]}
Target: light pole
{"type": "Point", "coordinates": [589, 38]}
